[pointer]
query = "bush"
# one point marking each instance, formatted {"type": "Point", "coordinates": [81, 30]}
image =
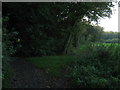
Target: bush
{"type": "Point", "coordinates": [7, 51]}
{"type": "Point", "coordinates": [99, 67]}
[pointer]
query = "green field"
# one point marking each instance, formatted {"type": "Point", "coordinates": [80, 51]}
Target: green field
{"type": "Point", "coordinates": [106, 44]}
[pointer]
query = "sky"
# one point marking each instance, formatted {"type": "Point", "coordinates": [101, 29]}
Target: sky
{"type": "Point", "coordinates": [111, 24]}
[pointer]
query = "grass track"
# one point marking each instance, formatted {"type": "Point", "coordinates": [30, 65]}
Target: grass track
{"type": "Point", "coordinates": [53, 65]}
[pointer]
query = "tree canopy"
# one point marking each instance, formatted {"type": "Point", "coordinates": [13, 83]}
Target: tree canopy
{"type": "Point", "coordinates": [47, 28]}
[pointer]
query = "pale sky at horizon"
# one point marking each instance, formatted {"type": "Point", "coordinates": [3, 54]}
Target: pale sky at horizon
{"type": "Point", "coordinates": [110, 24]}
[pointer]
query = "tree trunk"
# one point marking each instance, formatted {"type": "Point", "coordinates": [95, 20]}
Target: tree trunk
{"type": "Point", "coordinates": [67, 44]}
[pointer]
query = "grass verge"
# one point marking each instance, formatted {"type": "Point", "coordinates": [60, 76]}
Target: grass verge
{"type": "Point", "coordinates": [53, 65]}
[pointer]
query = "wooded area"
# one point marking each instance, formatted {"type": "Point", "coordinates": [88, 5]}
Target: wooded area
{"type": "Point", "coordinates": [63, 33]}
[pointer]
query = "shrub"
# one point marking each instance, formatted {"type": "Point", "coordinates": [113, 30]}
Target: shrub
{"type": "Point", "coordinates": [99, 67]}
{"type": "Point", "coordinates": [7, 51]}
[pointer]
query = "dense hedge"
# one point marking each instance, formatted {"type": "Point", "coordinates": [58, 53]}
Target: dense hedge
{"type": "Point", "coordinates": [7, 51]}
{"type": "Point", "coordinates": [97, 67]}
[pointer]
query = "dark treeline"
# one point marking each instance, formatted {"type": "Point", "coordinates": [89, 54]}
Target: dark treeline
{"type": "Point", "coordinates": [110, 37]}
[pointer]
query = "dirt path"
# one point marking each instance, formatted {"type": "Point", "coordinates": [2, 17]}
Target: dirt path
{"type": "Point", "coordinates": [27, 75]}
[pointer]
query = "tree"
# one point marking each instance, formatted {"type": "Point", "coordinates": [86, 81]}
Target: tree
{"type": "Point", "coordinates": [50, 27]}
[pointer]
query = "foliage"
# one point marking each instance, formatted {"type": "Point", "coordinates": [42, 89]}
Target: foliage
{"type": "Point", "coordinates": [97, 66]}
{"type": "Point", "coordinates": [49, 28]}
{"type": "Point", "coordinates": [7, 75]}
{"type": "Point", "coordinates": [93, 33]}
{"type": "Point", "coordinates": [7, 51]}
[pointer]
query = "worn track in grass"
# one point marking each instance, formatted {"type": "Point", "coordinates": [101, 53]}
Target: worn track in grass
{"type": "Point", "coordinates": [26, 75]}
